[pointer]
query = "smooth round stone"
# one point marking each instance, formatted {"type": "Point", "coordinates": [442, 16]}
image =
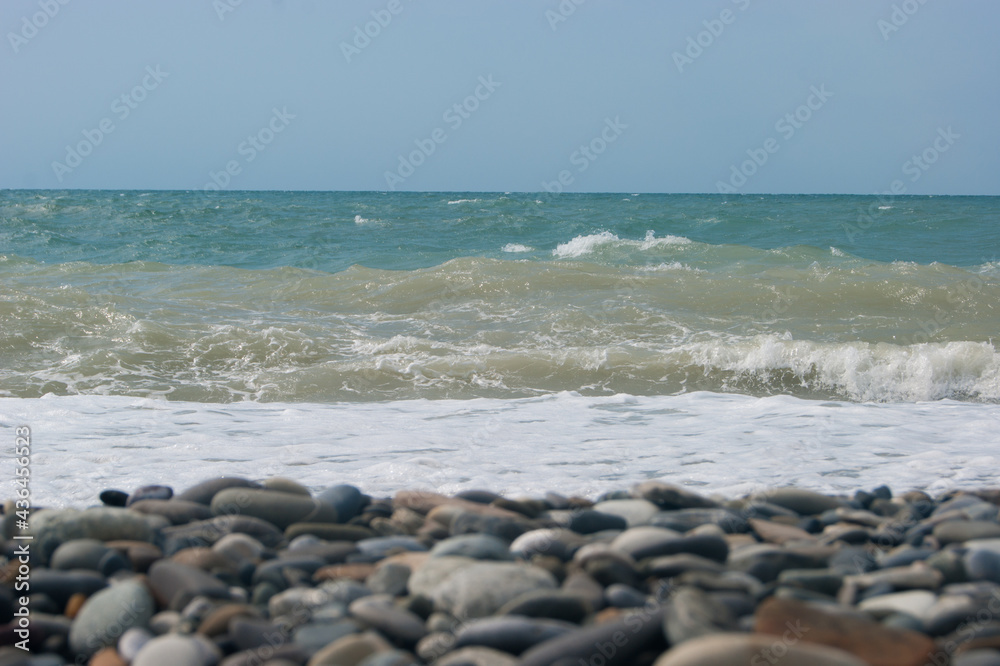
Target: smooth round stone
{"type": "Point", "coordinates": [178, 584]}
{"type": "Point", "coordinates": [381, 547]}
{"type": "Point", "coordinates": [476, 546]}
{"type": "Point", "coordinates": [177, 650]}
{"type": "Point", "coordinates": [587, 521]}
{"type": "Point", "coordinates": [480, 589]}
{"type": "Point", "coordinates": [476, 656]}
{"type": "Point", "coordinates": [164, 622]}
{"type": "Point", "coordinates": [114, 497]}
{"type": "Point", "coordinates": [284, 485]}
{"type": "Point", "coordinates": [53, 528]}
{"type": "Point", "coordinates": [635, 511]}
{"type": "Point", "coordinates": [351, 649]}
{"type": "Point", "coordinates": [112, 563]}
{"type": "Point", "coordinates": [802, 502]}
{"type": "Point", "coordinates": [507, 529]}
{"type": "Point", "coordinates": [549, 604]}
{"type": "Point", "coordinates": [178, 512]}
{"type": "Point", "coordinates": [435, 645]}
{"type": "Point", "coordinates": [391, 658]}
{"type": "Point", "coordinates": [434, 572]}
{"type": "Point", "coordinates": [343, 591]}
{"type": "Point", "coordinates": [132, 641]}
{"type": "Point", "coordinates": [204, 492]}
{"type": "Point", "coordinates": [691, 613]}
{"type": "Point", "coordinates": [960, 531]}
{"type": "Point", "coordinates": [624, 596]}
{"type": "Point", "coordinates": [108, 613]}
{"type": "Point", "coordinates": [281, 571]}
{"type": "Point", "coordinates": [670, 497]}
{"type": "Point", "coordinates": [982, 565]}
{"type": "Point", "coordinates": [912, 602]}
{"type": "Point", "coordinates": [217, 621]}
{"type": "Point", "coordinates": [281, 509]}
{"type": "Point", "coordinates": [389, 578]}
{"type": "Point", "coordinates": [103, 657]}
{"type": "Point", "coordinates": [329, 531]}
{"type": "Point", "coordinates": [346, 499]}
{"type": "Point", "coordinates": [150, 493]}
{"type": "Point", "coordinates": [560, 543]}
{"type": "Point", "coordinates": [401, 626]}
{"type": "Point", "coordinates": [669, 566]}
{"type": "Point", "coordinates": [316, 635]}
{"type": "Point", "coordinates": [641, 542]}
{"type": "Point", "coordinates": [510, 634]}
{"type": "Point", "coordinates": [727, 649]}
{"type": "Point", "coordinates": [591, 644]}
{"type": "Point", "coordinates": [79, 554]}
{"type": "Point", "coordinates": [248, 633]}
{"type": "Point", "coordinates": [905, 556]}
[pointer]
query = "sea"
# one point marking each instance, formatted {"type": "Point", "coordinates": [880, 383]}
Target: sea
{"type": "Point", "coordinates": [515, 342]}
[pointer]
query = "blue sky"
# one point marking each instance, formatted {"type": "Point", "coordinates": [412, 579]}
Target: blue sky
{"type": "Point", "coordinates": [775, 96]}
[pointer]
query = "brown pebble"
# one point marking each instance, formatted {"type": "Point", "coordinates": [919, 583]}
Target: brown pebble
{"type": "Point", "coordinates": [142, 555]}
{"type": "Point", "coordinates": [874, 643]}
{"type": "Point", "coordinates": [74, 605]}
{"type": "Point", "coordinates": [775, 532]}
{"type": "Point", "coordinates": [217, 621]}
{"type": "Point", "coordinates": [107, 657]}
{"type": "Point", "coordinates": [358, 571]}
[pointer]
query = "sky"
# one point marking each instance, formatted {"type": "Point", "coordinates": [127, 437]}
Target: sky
{"type": "Point", "coordinates": [749, 96]}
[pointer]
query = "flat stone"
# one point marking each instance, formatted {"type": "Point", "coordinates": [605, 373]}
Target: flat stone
{"type": "Point", "coordinates": [765, 561]}
{"type": "Point", "coordinates": [350, 650]}
{"type": "Point", "coordinates": [400, 626]}
{"type": "Point", "coordinates": [113, 497]}
{"type": "Point", "coordinates": [627, 638]}
{"type": "Point", "coordinates": [330, 531]}
{"type": "Point", "coordinates": [177, 584]}
{"type": "Point", "coordinates": [52, 528]}
{"type": "Point", "coordinates": [476, 546]}
{"type": "Point", "coordinates": [727, 649]}
{"type": "Point", "coordinates": [204, 492]}
{"type": "Point", "coordinates": [870, 641]}
{"type": "Point", "coordinates": [779, 533]}
{"type": "Point", "coordinates": [434, 572]}
{"type": "Point", "coordinates": [669, 566]}
{"type": "Point", "coordinates": [823, 581]}
{"type": "Point", "coordinates": [248, 633]}
{"type": "Point", "coordinates": [959, 531]}
{"type": "Point", "coordinates": [802, 502]}
{"type": "Point", "coordinates": [131, 641]}
{"type": "Point", "coordinates": [506, 528]}
{"type": "Point", "coordinates": [550, 604]}
{"type": "Point", "coordinates": [317, 634]}
{"type": "Point", "coordinates": [512, 634]}
{"type": "Point", "coordinates": [79, 554]}
{"type": "Point", "coordinates": [207, 532]}
{"type": "Point", "coordinates": [281, 509]}
{"type": "Point", "coordinates": [644, 541]}
{"type": "Point", "coordinates": [177, 650]}
{"type": "Point", "coordinates": [911, 602]}
{"type": "Point", "coordinates": [60, 586]}
{"type": "Point", "coordinates": [108, 613]}
{"type": "Point", "coordinates": [178, 512]}
{"type": "Point", "coordinates": [482, 588]}
{"type": "Point", "coordinates": [285, 485]}
{"type": "Point", "coordinates": [217, 621]}
{"type": "Point", "coordinates": [476, 656]}
{"type": "Point", "coordinates": [557, 542]}
{"type": "Point", "coordinates": [624, 596]}
{"type": "Point", "coordinates": [635, 511]}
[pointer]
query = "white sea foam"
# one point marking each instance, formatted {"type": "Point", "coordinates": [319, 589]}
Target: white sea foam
{"type": "Point", "coordinates": [517, 247]}
{"type": "Point", "coordinates": [710, 442]}
{"type": "Point", "coordinates": [460, 201]}
{"type": "Point", "coordinates": [583, 245]}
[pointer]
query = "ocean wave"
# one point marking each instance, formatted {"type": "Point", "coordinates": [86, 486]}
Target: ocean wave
{"type": "Point", "coordinates": [584, 245]}
{"type": "Point", "coordinates": [517, 247]}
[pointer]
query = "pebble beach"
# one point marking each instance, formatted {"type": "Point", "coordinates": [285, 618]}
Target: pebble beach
{"type": "Point", "coordinates": [238, 572]}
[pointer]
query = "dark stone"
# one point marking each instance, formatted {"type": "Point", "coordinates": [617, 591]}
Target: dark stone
{"type": "Point", "coordinates": [906, 557]}
{"type": "Point", "coordinates": [207, 532]}
{"type": "Point", "coordinates": [682, 520]}
{"type": "Point", "coordinates": [114, 497]}
{"type": "Point", "coordinates": [330, 531]}
{"type": "Point", "coordinates": [668, 566]}
{"type": "Point", "coordinates": [150, 493]}
{"type": "Point", "coordinates": [248, 633]}
{"type": "Point", "coordinates": [691, 613]}
{"type": "Point", "coordinates": [277, 571]}
{"type": "Point", "coordinates": [670, 497]}
{"type": "Point", "coordinates": [61, 585]}
{"type": "Point", "coordinates": [708, 546]}
{"type": "Point", "coordinates": [982, 565]}
{"type": "Point", "coordinates": [479, 496]}
{"type": "Point", "coordinates": [853, 560]}
{"type": "Point", "coordinates": [177, 584]}
{"type": "Point", "coordinates": [505, 528]}
{"type": "Point", "coordinates": [635, 636]}
{"type": "Point", "coordinates": [624, 596]}
{"type": "Point", "coordinates": [551, 604]}
{"type": "Point", "coordinates": [401, 626]}
{"type": "Point", "coordinates": [347, 500]}
{"type": "Point", "coordinates": [589, 521]}
{"type": "Point", "coordinates": [178, 512]}
{"type": "Point", "coordinates": [511, 634]}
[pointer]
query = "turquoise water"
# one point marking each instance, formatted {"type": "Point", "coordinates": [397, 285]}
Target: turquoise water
{"type": "Point", "coordinates": [327, 297]}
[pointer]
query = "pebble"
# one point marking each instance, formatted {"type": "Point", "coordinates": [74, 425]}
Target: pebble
{"type": "Point", "coordinates": [232, 568]}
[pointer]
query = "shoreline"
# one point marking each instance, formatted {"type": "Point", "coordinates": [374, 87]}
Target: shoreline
{"type": "Point", "coordinates": [238, 572]}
